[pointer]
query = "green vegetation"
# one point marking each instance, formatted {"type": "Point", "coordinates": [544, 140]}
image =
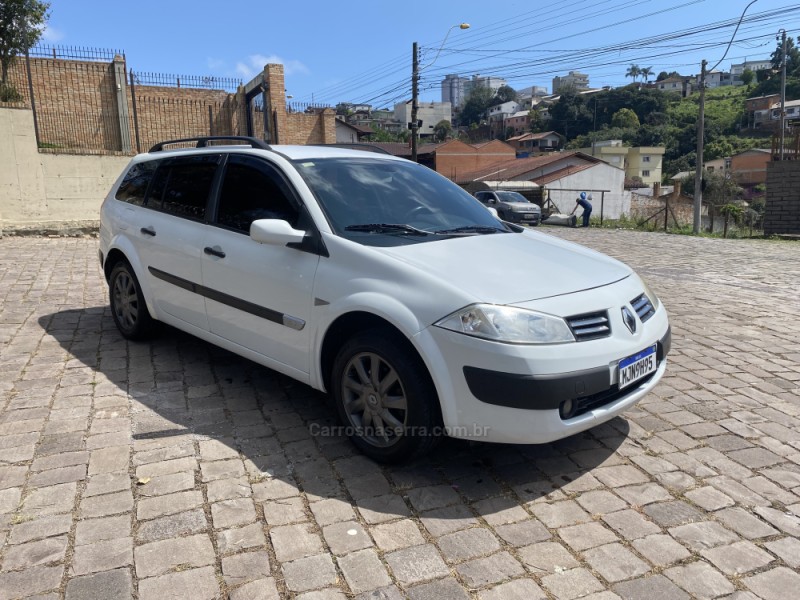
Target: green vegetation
{"type": "Point", "coordinates": [665, 120]}
{"type": "Point", "coordinates": [21, 26]}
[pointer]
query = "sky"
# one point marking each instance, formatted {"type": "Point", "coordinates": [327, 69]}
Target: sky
{"type": "Point", "coordinates": [362, 51]}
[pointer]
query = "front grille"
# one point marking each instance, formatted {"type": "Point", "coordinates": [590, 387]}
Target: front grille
{"type": "Point", "coordinates": [643, 307]}
{"type": "Point", "coordinates": [590, 326]}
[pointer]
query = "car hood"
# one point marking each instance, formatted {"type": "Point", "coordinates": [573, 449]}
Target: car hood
{"type": "Point", "coordinates": [513, 267]}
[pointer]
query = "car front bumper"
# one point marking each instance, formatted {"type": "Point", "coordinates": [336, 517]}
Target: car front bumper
{"type": "Point", "coordinates": [525, 218]}
{"type": "Point", "coordinates": [508, 393]}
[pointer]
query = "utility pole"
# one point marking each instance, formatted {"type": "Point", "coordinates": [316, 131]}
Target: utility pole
{"type": "Point", "coordinates": [414, 102]}
{"type": "Point", "coordinates": [783, 91]}
{"type": "Point", "coordinates": [698, 173]}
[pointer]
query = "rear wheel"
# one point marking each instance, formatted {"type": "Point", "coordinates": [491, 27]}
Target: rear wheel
{"type": "Point", "coordinates": [385, 397]}
{"type": "Point", "coordinates": [128, 307]}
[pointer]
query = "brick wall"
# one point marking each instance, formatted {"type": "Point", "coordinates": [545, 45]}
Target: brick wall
{"type": "Point", "coordinates": [783, 198]}
{"type": "Point", "coordinates": [78, 109]}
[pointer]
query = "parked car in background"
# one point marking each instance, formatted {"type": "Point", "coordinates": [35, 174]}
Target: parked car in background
{"type": "Point", "coordinates": [377, 280]}
{"type": "Point", "coordinates": [511, 206]}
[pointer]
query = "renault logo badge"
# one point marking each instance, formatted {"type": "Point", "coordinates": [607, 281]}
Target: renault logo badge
{"type": "Point", "coordinates": [630, 320]}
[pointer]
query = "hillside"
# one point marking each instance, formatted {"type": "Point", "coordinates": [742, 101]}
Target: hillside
{"type": "Point", "coordinates": [663, 120]}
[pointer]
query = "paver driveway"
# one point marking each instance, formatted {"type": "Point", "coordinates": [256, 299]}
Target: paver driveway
{"type": "Point", "coordinates": [173, 469]}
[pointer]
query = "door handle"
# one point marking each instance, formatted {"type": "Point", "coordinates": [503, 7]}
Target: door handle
{"type": "Point", "coordinates": [148, 231]}
{"type": "Point", "coordinates": [213, 252]}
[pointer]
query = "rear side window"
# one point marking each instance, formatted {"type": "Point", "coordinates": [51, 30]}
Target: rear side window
{"type": "Point", "coordinates": [182, 186]}
{"type": "Point", "coordinates": [134, 186]}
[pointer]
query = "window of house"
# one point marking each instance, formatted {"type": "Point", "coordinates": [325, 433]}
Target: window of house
{"type": "Point", "coordinates": [253, 190]}
{"type": "Point", "coordinates": [645, 159]}
{"type": "Point", "coordinates": [645, 173]}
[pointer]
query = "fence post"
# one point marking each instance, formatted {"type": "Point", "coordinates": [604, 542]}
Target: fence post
{"type": "Point", "coordinates": [33, 100]}
{"type": "Point", "coordinates": [602, 203]}
{"type": "Point", "coordinates": [122, 104]}
{"type": "Point", "coordinates": [135, 115]}
{"type": "Point", "coordinates": [666, 212]}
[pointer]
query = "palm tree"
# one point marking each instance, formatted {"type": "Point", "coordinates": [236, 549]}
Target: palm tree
{"type": "Point", "coordinates": [646, 72]}
{"type": "Point", "coordinates": [634, 71]}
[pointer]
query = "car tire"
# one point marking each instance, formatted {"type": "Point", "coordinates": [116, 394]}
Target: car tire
{"type": "Point", "coordinates": [128, 307]}
{"type": "Point", "coordinates": [367, 362]}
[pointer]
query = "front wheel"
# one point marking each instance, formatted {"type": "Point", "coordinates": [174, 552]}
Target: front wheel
{"type": "Point", "coordinates": [385, 397]}
{"type": "Point", "coordinates": [128, 307]}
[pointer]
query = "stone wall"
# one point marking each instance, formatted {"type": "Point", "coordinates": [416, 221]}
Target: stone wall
{"type": "Point", "coordinates": [49, 192]}
{"type": "Point", "coordinates": [783, 198]}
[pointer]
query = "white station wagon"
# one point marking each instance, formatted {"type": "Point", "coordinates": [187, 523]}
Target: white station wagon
{"type": "Point", "coordinates": [377, 280]}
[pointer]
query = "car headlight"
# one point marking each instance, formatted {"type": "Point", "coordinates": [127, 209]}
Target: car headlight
{"type": "Point", "coordinates": [649, 293]}
{"type": "Point", "coordinates": [508, 324]}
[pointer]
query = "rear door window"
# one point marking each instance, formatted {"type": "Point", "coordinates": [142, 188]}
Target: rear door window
{"type": "Point", "coordinates": [182, 186]}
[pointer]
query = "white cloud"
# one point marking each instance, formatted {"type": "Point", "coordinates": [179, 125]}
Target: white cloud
{"type": "Point", "coordinates": [52, 35]}
{"type": "Point", "coordinates": [215, 64]}
{"type": "Point", "coordinates": [255, 63]}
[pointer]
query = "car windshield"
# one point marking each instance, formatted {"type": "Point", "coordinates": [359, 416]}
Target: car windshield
{"type": "Point", "coordinates": [512, 197]}
{"type": "Point", "coordinates": [378, 201]}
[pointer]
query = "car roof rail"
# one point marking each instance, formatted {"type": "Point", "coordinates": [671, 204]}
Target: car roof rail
{"type": "Point", "coordinates": [202, 142]}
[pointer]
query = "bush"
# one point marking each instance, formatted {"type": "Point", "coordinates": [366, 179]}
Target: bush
{"type": "Point", "coordinates": [8, 93]}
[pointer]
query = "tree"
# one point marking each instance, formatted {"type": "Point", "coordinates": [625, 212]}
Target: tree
{"type": "Point", "coordinates": [664, 75]}
{"type": "Point", "coordinates": [792, 58]}
{"type": "Point", "coordinates": [478, 102]}
{"type": "Point", "coordinates": [21, 26]}
{"type": "Point", "coordinates": [633, 72]}
{"type": "Point", "coordinates": [505, 93]}
{"type": "Point", "coordinates": [537, 121]}
{"type": "Point", "coordinates": [747, 76]}
{"type": "Point", "coordinates": [442, 130]}
{"type": "Point", "coordinates": [646, 73]}
{"type": "Point", "coordinates": [570, 115]}
{"type": "Point", "coordinates": [625, 117]}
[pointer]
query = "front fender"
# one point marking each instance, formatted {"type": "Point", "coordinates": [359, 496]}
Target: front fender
{"type": "Point", "coordinates": [377, 304]}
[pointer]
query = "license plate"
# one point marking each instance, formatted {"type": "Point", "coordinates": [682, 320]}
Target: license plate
{"type": "Point", "coordinates": [635, 367]}
{"type": "Point", "coordinates": [528, 217]}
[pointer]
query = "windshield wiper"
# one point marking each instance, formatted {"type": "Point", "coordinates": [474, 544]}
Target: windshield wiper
{"type": "Point", "coordinates": [471, 229]}
{"type": "Point", "coordinates": [387, 228]}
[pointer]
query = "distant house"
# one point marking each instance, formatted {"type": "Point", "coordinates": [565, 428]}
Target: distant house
{"type": "Point", "coordinates": [537, 142]}
{"type": "Point", "coordinates": [563, 175]}
{"type": "Point", "coordinates": [749, 168]}
{"type": "Point", "coordinates": [454, 158]}
{"type": "Point", "coordinates": [643, 162]}
{"type": "Point", "coordinates": [347, 133]}
{"type": "Point", "coordinates": [677, 85]}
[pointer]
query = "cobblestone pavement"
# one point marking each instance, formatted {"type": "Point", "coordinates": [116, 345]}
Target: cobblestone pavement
{"type": "Point", "coordinates": [172, 469]}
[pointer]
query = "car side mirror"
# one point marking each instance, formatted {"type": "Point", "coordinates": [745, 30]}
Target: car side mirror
{"type": "Point", "coordinates": [275, 231]}
{"type": "Point", "coordinates": [493, 211]}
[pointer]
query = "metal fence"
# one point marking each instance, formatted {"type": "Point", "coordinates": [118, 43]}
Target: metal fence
{"type": "Point", "coordinates": [228, 84]}
{"type": "Point", "coordinates": [157, 119]}
{"type": "Point", "coordinates": [83, 53]}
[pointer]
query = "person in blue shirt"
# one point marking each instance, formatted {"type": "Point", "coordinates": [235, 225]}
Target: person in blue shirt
{"type": "Point", "coordinates": [585, 205]}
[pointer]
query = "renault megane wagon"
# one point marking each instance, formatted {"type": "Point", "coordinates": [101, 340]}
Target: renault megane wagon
{"type": "Point", "coordinates": [376, 280]}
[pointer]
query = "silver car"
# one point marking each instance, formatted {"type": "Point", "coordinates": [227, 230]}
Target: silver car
{"type": "Point", "coordinates": [512, 206]}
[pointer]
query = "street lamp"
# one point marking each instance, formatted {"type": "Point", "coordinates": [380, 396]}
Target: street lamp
{"type": "Point", "coordinates": [415, 69]}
